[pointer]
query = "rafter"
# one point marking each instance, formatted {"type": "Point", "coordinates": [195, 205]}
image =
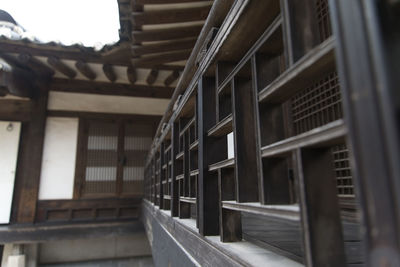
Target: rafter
{"type": "Point", "coordinates": [166, 34]}
{"type": "Point", "coordinates": [131, 74]}
{"type": "Point", "coordinates": [57, 64]}
{"type": "Point", "coordinates": [158, 59]}
{"type": "Point", "coordinates": [35, 65]}
{"type": "Point", "coordinates": [171, 16]}
{"type": "Point", "coordinates": [163, 47]}
{"type": "Point", "coordinates": [109, 72]}
{"type": "Point", "coordinates": [171, 78]}
{"type": "Point", "coordinates": [85, 69]}
{"type": "Point", "coordinates": [152, 77]}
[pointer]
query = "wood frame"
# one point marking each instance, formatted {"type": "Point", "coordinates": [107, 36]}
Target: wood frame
{"type": "Point", "coordinates": [82, 150]}
{"type": "Point", "coordinates": [283, 163]}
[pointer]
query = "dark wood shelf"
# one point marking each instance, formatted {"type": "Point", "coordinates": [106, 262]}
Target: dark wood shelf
{"type": "Point", "coordinates": [318, 60]}
{"type": "Point", "coordinates": [180, 155]}
{"type": "Point", "coordinates": [329, 133]}
{"type": "Point", "coordinates": [289, 212]}
{"type": "Point", "coordinates": [194, 146]}
{"type": "Point", "coordinates": [194, 172]}
{"type": "Point", "coordinates": [227, 163]}
{"type": "Point", "coordinates": [224, 127]}
{"type": "Point", "coordinates": [190, 200]}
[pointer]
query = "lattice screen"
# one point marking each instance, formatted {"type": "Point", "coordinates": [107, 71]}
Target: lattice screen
{"type": "Point", "coordinates": [102, 159]}
{"type": "Point", "coordinates": [317, 105]}
{"type": "Point", "coordinates": [137, 142]}
{"type": "Point", "coordinates": [323, 19]}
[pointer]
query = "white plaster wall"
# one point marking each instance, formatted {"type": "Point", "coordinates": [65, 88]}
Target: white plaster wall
{"type": "Point", "coordinates": [231, 146]}
{"type": "Point", "coordinates": [9, 142]}
{"type": "Point", "coordinates": [107, 104]}
{"type": "Point", "coordinates": [59, 153]}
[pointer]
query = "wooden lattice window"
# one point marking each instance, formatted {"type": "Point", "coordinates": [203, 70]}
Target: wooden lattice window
{"type": "Point", "coordinates": [323, 19]}
{"type": "Point", "coordinates": [111, 158]}
{"type": "Point", "coordinates": [317, 105]}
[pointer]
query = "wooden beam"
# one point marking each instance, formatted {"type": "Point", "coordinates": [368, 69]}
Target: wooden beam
{"type": "Point", "coordinates": [15, 110]}
{"type": "Point", "coordinates": [57, 64]}
{"type": "Point", "coordinates": [105, 88]}
{"type": "Point", "coordinates": [171, 16]}
{"type": "Point", "coordinates": [109, 72]}
{"type": "Point", "coordinates": [35, 65]}
{"type": "Point", "coordinates": [18, 82]}
{"type": "Point", "coordinates": [151, 2]}
{"type": "Point", "coordinates": [171, 78]}
{"type": "Point", "coordinates": [131, 73]}
{"type": "Point", "coordinates": [152, 77]}
{"type": "Point", "coordinates": [153, 60]}
{"type": "Point", "coordinates": [85, 69]}
{"type": "Point", "coordinates": [166, 34]}
{"type": "Point", "coordinates": [163, 47]}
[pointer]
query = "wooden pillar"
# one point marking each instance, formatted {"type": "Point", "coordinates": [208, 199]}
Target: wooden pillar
{"type": "Point", "coordinates": [174, 185]}
{"type": "Point", "coordinates": [210, 151]}
{"type": "Point", "coordinates": [30, 162]}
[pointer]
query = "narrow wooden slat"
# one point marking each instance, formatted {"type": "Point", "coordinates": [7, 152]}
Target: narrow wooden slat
{"type": "Point", "coordinates": [109, 72]}
{"type": "Point", "coordinates": [166, 34]}
{"type": "Point", "coordinates": [224, 127]}
{"type": "Point", "coordinates": [57, 64]}
{"type": "Point", "coordinates": [227, 163]}
{"type": "Point", "coordinates": [171, 16]}
{"type": "Point", "coordinates": [327, 133]}
{"type": "Point", "coordinates": [85, 69]}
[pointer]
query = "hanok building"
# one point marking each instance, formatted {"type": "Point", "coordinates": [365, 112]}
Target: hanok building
{"type": "Point", "coordinates": [214, 133]}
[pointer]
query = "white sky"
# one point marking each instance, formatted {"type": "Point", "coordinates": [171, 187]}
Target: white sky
{"type": "Point", "coordinates": [89, 22]}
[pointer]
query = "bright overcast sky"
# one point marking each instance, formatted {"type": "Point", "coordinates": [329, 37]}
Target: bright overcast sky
{"type": "Point", "coordinates": [88, 22]}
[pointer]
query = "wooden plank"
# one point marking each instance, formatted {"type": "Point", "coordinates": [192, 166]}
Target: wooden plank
{"type": "Point", "coordinates": [166, 34]}
{"type": "Point", "coordinates": [287, 212]}
{"type": "Point", "coordinates": [85, 69]}
{"type": "Point", "coordinates": [47, 233]}
{"type": "Point", "coordinates": [57, 64]}
{"type": "Point", "coordinates": [109, 72]}
{"type": "Point", "coordinates": [170, 16]}
{"type": "Point", "coordinates": [153, 60]}
{"type": "Point", "coordinates": [166, 46]}
{"type": "Point", "coordinates": [104, 88]}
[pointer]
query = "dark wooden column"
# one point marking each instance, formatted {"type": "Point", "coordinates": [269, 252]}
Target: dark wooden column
{"type": "Point", "coordinates": [322, 228]}
{"type": "Point", "coordinates": [368, 57]}
{"type": "Point", "coordinates": [174, 185]}
{"type": "Point", "coordinates": [28, 173]}
{"type": "Point", "coordinates": [209, 152]}
{"type": "Point", "coordinates": [162, 175]}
